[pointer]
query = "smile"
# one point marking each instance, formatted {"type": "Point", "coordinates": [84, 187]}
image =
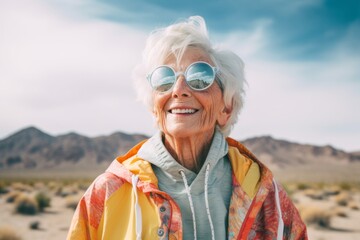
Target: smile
{"type": "Point", "coordinates": [182, 111]}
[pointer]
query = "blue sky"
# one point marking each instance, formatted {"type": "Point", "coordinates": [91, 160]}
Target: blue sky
{"type": "Point", "coordinates": [66, 65]}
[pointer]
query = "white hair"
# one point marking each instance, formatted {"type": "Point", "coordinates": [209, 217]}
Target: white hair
{"type": "Point", "coordinates": [174, 40]}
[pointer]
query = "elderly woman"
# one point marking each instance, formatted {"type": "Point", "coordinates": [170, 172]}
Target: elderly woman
{"type": "Point", "coordinates": [190, 180]}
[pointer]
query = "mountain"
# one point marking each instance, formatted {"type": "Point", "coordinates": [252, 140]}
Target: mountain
{"type": "Point", "coordinates": [281, 153]}
{"type": "Point", "coordinates": [31, 148]}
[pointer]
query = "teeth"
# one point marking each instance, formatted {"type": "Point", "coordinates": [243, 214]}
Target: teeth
{"type": "Point", "coordinates": [183, 111]}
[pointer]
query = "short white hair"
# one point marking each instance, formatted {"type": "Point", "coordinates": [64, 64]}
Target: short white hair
{"type": "Point", "coordinates": [174, 40]}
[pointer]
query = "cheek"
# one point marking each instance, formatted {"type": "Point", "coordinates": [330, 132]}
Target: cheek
{"type": "Point", "coordinates": [211, 109]}
{"type": "Point", "coordinates": [158, 110]}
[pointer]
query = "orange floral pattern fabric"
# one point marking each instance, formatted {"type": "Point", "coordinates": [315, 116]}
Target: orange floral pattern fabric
{"type": "Point", "coordinates": [255, 218]}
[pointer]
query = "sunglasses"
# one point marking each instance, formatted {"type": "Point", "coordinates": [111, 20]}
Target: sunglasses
{"type": "Point", "coordinates": [199, 76]}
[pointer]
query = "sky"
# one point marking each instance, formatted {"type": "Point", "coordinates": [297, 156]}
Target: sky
{"type": "Point", "coordinates": [66, 65]}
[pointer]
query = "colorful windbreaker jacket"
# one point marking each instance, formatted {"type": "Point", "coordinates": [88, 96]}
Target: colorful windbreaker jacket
{"type": "Point", "coordinates": [125, 203]}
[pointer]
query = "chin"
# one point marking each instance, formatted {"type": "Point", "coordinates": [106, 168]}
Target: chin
{"type": "Point", "coordinates": [181, 132]}
{"type": "Point", "coordinates": [190, 131]}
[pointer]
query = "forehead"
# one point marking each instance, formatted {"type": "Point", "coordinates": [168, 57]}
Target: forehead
{"type": "Point", "coordinates": [190, 55]}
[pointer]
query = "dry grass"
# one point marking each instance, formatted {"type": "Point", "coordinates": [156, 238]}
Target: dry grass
{"type": "Point", "coordinates": [315, 216]}
{"type": "Point", "coordinates": [69, 190]}
{"type": "Point", "coordinates": [315, 194]}
{"type": "Point", "coordinates": [40, 186]}
{"type": "Point", "coordinates": [43, 200]}
{"type": "Point", "coordinates": [329, 209]}
{"type": "Point", "coordinates": [332, 191]}
{"type": "Point", "coordinates": [72, 201]}
{"type": "Point", "coordinates": [326, 207]}
{"type": "Point", "coordinates": [345, 186]}
{"type": "Point", "coordinates": [21, 187]}
{"type": "Point", "coordinates": [3, 188]}
{"type": "Point", "coordinates": [12, 196]}
{"type": "Point", "coordinates": [34, 225]}
{"type": "Point", "coordinates": [340, 212]}
{"type": "Point", "coordinates": [353, 205]}
{"type": "Point", "coordinates": [343, 199]}
{"type": "Point", "coordinates": [8, 233]}
{"type": "Point", "coordinates": [303, 186]}
{"type": "Point", "coordinates": [26, 205]}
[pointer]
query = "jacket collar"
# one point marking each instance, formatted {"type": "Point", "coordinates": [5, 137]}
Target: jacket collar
{"type": "Point", "coordinates": [127, 165]}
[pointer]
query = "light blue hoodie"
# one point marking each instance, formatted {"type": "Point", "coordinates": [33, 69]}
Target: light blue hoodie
{"type": "Point", "coordinates": [219, 188]}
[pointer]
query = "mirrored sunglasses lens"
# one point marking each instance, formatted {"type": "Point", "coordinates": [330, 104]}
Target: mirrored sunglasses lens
{"type": "Point", "coordinates": [162, 79]}
{"type": "Point", "coordinates": [200, 76]}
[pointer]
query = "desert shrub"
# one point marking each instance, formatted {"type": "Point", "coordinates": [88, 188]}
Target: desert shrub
{"type": "Point", "coordinates": [21, 187]}
{"type": "Point", "coordinates": [340, 212]}
{"type": "Point", "coordinates": [343, 199]}
{"type": "Point", "coordinates": [320, 185]}
{"type": "Point", "coordinates": [314, 194]}
{"type": "Point", "coordinates": [7, 233]}
{"type": "Point", "coordinates": [43, 201]}
{"type": "Point", "coordinates": [34, 225]}
{"type": "Point", "coordinates": [58, 190]}
{"type": "Point", "coordinates": [315, 216]}
{"type": "Point", "coordinates": [302, 186]}
{"type": "Point", "coordinates": [3, 188]}
{"type": "Point", "coordinates": [40, 186]}
{"type": "Point", "coordinates": [289, 189]}
{"type": "Point", "coordinates": [25, 204]}
{"type": "Point", "coordinates": [54, 186]}
{"type": "Point", "coordinates": [345, 186]}
{"type": "Point", "coordinates": [83, 186]}
{"type": "Point", "coordinates": [67, 190]}
{"type": "Point", "coordinates": [353, 205]}
{"type": "Point", "coordinates": [11, 196]}
{"type": "Point", "coordinates": [72, 202]}
{"type": "Point", "coordinates": [332, 191]}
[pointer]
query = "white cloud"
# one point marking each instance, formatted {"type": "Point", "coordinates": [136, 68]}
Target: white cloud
{"type": "Point", "coordinates": [291, 7]}
{"type": "Point", "coordinates": [310, 102]}
{"type": "Point", "coordinates": [247, 44]}
{"type": "Point", "coordinates": [62, 73]}
{"type": "Point", "coordinates": [282, 7]}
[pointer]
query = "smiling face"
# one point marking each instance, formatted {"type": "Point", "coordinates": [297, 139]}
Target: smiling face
{"type": "Point", "coordinates": [183, 112]}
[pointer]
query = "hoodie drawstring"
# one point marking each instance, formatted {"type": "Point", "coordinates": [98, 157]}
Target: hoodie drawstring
{"type": "Point", "coordinates": [281, 222]}
{"type": "Point", "coordinates": [138, 217]}
{"type": "Point", "coordinates": [207, 202]}
{"type": "Point", "coordinates": [187, 189]}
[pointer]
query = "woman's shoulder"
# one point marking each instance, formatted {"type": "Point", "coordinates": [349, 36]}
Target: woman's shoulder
{"type": "Point", "coordinates": [103, 187]}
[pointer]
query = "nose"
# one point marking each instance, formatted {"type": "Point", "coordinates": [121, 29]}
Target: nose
{"type": "Point", "coordinates": [181, 89]}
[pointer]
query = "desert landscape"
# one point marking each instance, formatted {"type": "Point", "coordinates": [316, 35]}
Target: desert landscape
{"type": "Point", "coordinates": [42, 178]}
{"type": "Point", "coordinates": [43, 209]}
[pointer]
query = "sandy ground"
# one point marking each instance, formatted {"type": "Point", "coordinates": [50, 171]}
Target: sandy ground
{"type": "Point", "coordinates": [55, 221]}
{"type": "Point", "coordinates": [342, 228]}
{"type": "Point", "coordinates": [344, 221]}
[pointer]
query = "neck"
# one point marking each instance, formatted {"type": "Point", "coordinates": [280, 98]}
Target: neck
{"type": "Point", "coordinates": [190, 152]}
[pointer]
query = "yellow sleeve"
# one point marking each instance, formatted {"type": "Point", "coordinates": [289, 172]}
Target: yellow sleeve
{"type": "Point", "coordinates": [80, 227]}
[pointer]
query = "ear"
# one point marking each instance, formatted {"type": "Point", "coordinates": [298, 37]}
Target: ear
{"type": "Point", "coordinates": [224, 116]}
{"type": "Point", "coordinates": [155, 113]}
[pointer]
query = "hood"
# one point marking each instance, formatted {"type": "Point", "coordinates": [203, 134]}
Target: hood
{"type": "Point", "coordinates": [126, 165]}
{"type": "Point", "coordinates": [130, 164]}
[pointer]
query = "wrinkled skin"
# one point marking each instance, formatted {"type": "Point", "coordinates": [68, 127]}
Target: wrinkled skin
{"type": "Point", "coordinates": [188, 136]}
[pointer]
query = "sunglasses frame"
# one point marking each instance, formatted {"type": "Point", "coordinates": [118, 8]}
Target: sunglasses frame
{"type": "Point", "coordinates": [177, 74]}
